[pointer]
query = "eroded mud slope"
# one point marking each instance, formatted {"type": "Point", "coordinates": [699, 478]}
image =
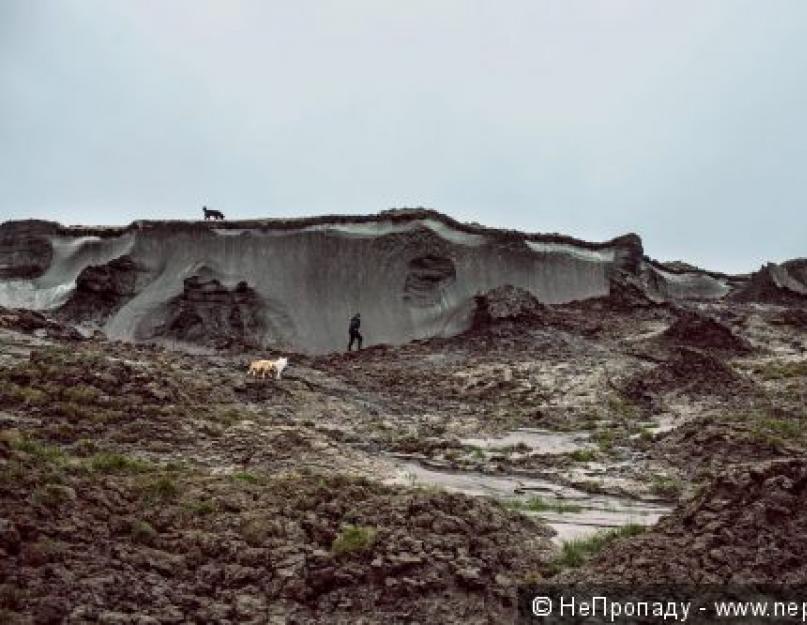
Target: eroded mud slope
{"type": "Point", "coordinates": [412, 275]}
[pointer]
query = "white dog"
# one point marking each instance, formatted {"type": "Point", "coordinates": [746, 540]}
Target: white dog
{"type": "Point", "coordinates": [265, 367]}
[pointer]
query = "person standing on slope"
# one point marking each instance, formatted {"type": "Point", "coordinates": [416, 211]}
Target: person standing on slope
{"type": "Point", "coordinates": [355, 324]}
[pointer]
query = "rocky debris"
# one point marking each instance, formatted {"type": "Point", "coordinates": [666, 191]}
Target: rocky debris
{"type": "Point", "coordinates": [270, 480]}
{"type": "Point", "coordinates": [103, 289]}
{"type": "Point", "coordinates": [25, 250]}
{"type": "Point", "coordinates": [507, 304]}
{"type": "Point", "coordinates": [154, 545]}
{"type": "Point", "coordinates": [794, 317]}
{"type": "Point", "coordinates": [705, 447]}
{"type": "Point", "coordinates": [690, 371]}
{"type": "Point", "coordinates": [749, 526]}
{"type": "Point", "coordinates": [784, 284]}
{"type": "Point", "coordinates": [74, 394]}
{"type": "Point", "coordinates": [694, 329]}
{"type": "Point", "coordinates": [626, 294]}
{"type": "Point", "coordinates": [33, 322]}
{"type": "Point", "coordinates": [209, 313]}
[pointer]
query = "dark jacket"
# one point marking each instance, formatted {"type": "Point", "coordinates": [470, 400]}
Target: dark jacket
{"type": "Point", "coordinates": [355, 322]}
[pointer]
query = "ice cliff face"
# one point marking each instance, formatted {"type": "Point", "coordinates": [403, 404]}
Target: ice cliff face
{"type": "Point", "coordinates": [411, 274]}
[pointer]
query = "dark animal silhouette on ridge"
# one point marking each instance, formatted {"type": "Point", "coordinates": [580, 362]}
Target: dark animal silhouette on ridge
{"type": "Point", "coordinates": [211, 213]}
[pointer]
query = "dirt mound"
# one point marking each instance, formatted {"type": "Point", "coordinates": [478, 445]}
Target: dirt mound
{"type": "Point", "coordinates": [748, 526]}
{"type": "Point", "coordinates": [113, 539]}
{"type": "Point", "coordinates": [32, 322]}
{"type": "Point", "coordinates": [82, 393]}
{"type": "Point", "coordinates": [702, 446]}
{"type": "Point", "coordinates": [507, 304]}
{"type": "Point", "coordinates": [690, 371]}
{"type": "Point", "coordinates": [697, 330]}
{"type": "Point", "coordinates": [794, 317]}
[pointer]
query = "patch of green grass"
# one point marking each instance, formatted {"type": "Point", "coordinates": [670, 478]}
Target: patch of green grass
{"type": "Point", "coordinates": [143, 533]}
{"type": "Point", "coordinates": [354, 538]}
{"type": "Point", "coordinates": [788, 429]}
{"type": "Point", "coordinates": [163, 488]}
{"type": "Point", "coordinates": [52, 495]}
{"type": "Point", "coordinates": [646, 434]}
{"type": "Point", "coordinates": [107, 462]}
{"type": "Point", "coordinates": [772, 428]}
{"type": "Point", "coordinates": [40, 451]}
{"type": "Point", "coordinates": [575, 553]}
{"type": "Point", "coordinates": [20, 394]}
{"type": "Point", "coordinates": [201, 507]}
{"type": "Point", "coordinates": [666, 486]}
{"type": "Point", "coordinates": [81, 394]}
{"type": "Point", "coordinates": [246, 477]}
{"type": "Point", "coordinates": [539, 504]}
{"type": "Point", "coordinates": [777, 370]}
{"type": "Point", "coordinates": [583, 455]}
{"type": "Point", "coordinates": [604, 439]}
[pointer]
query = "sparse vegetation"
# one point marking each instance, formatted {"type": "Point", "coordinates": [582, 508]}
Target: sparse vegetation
{"type": "Point", "coordinates": [575, 553]}
{"type": "Point", "coordinates": [246, 477]}
{"type": "Point", "coordinates": [143, 533]}
{"type": "Point", "coordinates": [200, 507]}
{"type": "Point", "coordinates": [666, 486]}
{"type": "Point", "coordinates": [52, 495]}
{"type": "Point", "coordinates": [583, 455]}
{"type": "Point", "coordinates": [604, 439]}
{"type": "Point", "coordinates": [160, 489]}
{"type": "Point", "coordinates": [40, 451]}
{"type": "Point", "coordinates": [106, 462]}
{"type": "Point", "coordinates": [778, 370]}
{"type": "Point", "coordinates": [539, 504]}
{"type": "Point", "coordinates": [354, 538]}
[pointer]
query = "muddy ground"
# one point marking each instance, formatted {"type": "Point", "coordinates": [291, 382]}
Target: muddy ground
{"type": "Point", "coordinates": [421, 483]}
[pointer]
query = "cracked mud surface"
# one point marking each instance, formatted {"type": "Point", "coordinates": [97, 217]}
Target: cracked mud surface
{"type": "Point", "coordinates": [398, 484]}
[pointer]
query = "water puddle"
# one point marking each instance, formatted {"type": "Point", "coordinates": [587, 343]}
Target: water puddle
{"type": "Point", "coordinates": [572, 513]}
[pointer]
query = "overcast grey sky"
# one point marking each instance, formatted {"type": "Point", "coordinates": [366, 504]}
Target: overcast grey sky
{"type": "Point", "coordinates": [682, 120]}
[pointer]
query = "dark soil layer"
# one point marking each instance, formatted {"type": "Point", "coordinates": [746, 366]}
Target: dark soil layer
{"type": "Point", "coordinates": [690, 371]}
{"type": "Point", "coordinates": [696, 330]}
{"type": "Point", "coordinates": [748, 526]}
{"type": "Point", "coordinates": [31, 321]}
{"type": "Point", "coordinates": [110, 539]}
{"type": "Point", "coordinates": [102, 289]}
{"type": "Point", "coordinates": [704, 448]}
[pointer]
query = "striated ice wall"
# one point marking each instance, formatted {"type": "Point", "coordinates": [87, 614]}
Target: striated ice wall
{"type": "Point", "coordinates": [409, 277]}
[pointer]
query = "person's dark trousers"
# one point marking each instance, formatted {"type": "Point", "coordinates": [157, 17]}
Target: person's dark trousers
{"type": "Point", "coordinates": [354, 336]}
